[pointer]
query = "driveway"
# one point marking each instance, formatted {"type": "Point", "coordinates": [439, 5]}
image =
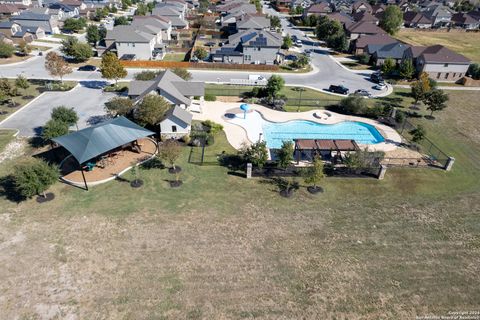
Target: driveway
{"type": "Point", "coordinates": [84, 98]}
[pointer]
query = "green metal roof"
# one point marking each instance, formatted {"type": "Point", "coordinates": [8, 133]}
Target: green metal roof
{"type": "Point", "coordinates": [93, 141]}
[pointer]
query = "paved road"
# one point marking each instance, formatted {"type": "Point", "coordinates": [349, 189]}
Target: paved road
{"type": "Point", "coordinates": [88, 102]}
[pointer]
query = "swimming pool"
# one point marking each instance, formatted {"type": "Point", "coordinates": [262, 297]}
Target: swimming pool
{"type": "Point", "coordinates": [277, 132]}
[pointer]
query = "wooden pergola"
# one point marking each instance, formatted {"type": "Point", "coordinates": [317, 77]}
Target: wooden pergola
{"type": "Point", "coordinates": [315, 146]}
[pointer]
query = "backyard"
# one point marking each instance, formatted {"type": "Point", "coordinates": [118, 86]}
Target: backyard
{"type": "Point", "coordinates": [467, 44]}
{"type": "Point", "coordinates": [222, 246]}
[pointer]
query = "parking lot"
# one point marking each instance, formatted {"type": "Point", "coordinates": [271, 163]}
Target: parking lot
{"type": "Point", "coordinates": [86, 98]}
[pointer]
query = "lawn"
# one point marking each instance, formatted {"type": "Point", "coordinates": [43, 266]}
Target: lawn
{"type": "Point", "coordinates": [13, 59]}
{"type": "Point", "coordinates": [222, 246]}
{"type": "Point", "coordinates": [174, 57]}
{"type": "Point", "coordinates": [467, 44]}
{"type": "Point", "coordinates": [6, 136]}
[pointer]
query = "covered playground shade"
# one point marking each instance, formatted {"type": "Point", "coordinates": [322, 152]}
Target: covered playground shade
{"type": "Point", "coordinates": [94, 141]}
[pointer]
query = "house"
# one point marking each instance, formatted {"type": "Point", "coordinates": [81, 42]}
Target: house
{"type": "Point", "coordinates": [16, 33]}
{"type": "Point", "coordinates": [167, 84]}
{"type": "Point", "coordinates": [171, 13]}
{"type": "Point", "coordinates": [18, 2]}
{"type": "Point", "coordinates": [381, 52]}
{"type": "Point", "coordinates": [439, 62]}
{"type": "Point", "coordinates": [466, 21]}
{"type": "Point", "coordinates": [177, 123]}
{"type": "Point", "coordinates": [318, 9]}
{"type": "Point", "coordinates": [64, 11]}
{"type": "Point", "coordinates": [250, 46]}
{"type": "Point", "coordinates": [161, 27]}
{"type": "Point", "coordinates": [28, 19]}
{"type": "Point", "coordinates": [440, 15]}
{"type": "Point", "coordinates": [359, 28]}
{"type": "Point", "coordinates": [361, 5]}
{"type": "Point", "coordinates": [343, 18]}
{"type": "Point", "coordinates": [75, 4]}
{"type": "Point", "coordinates": [359, 46]}
{"type": "Point", "coordinates": [8, 10]}
{"type": "Point", "coordinates": [235, 8]}
{"type": "Point", "coordinates": [365, 16]}
{"type": "Point", "coordinates": [412, 19]}
{"type": "Point", "coordinates": [252, 21]}
{"type": "Point", "coordinates": [342, 6]}
{"type": "Point", "coordinates": [129, 41]}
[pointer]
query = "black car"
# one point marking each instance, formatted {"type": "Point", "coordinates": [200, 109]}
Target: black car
{"type": "Point", "coordinates": [338, 89]}
{"type": "Point", "coordinates": [87, 67]}
{"type": "Point", "coordinates": [376, 77]}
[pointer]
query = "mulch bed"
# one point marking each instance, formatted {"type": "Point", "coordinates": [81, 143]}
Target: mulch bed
{"type": "Point", "coordinates": [176, 170]}
{"type": "Point", "coordinates": [314, 190]}
{"type": "Point", "coordinates": [175, 184]}
{"type": "Point", "coordinates": [287, 193]}
{"type": "Point", "coordinates": [137, 183]}
{"type": "Point", "coordinates": [48, 197]}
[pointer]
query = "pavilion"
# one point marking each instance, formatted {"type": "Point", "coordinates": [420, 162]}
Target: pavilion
{"type": "Point", "coordinates": [99, 144]}
{"type": "Point", "coordinates": [319, 146]}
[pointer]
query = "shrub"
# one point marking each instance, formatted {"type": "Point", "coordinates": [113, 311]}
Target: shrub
{"type": "Point", "coordinates": [6, 50]}
{"type": "Point", "coordinates": [212, 127]}
{"type": "Point", "coordinates": [364, 58]}
{"type": "Point", "coordinates": [210, 97]}
{"type": "Point", "coordinates": [353, 105]}
{"type": "Point", "coordinates": [145, 75]}
{"type": "Point", "coordinates": [34, 177]}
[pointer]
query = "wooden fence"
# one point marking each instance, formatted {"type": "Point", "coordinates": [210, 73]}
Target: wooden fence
{"type": "Point", "coordinates": [195, 65]}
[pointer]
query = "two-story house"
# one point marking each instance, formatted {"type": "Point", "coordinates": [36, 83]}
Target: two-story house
{"type": "Point", "coordinates": [28, 19]}
{"type": "Point", "coordinates": [131, 43]}
{"type": "Point", "coordinates": [16, 33]}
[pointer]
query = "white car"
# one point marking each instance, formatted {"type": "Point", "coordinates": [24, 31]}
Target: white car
{"type": "Point", "coordinates": [380, 86]}
{"type": "Point", "coordinates": [298, 43]}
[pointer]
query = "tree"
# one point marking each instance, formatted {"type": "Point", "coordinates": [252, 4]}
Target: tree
{"type": "Point", "coordinates": [100, 13]}
{"type": "Point", "coordinates": [436, 100]}
{"type": "Point", "coordinates": [256, 154]}
{"type": "Point", "coordinates": [201, 53]}
{"type": "Point", "coordinates": [34, 177]}
{"type": "Point", "coordinates": [274, 84]}
{"type": "Point", "coordinates": [311, 20]}
{"type": "Point", "coordinates": [74, 24]}
{"type": "Point", "coordinates": [24, 48]}
{"type": "Point", "coordinates": [119, 21]}
{"type": "Point", "coordinates": [182, 73]}
{"type": "Point", "coordinates": [169, 152]}
{"type": "Point", "coordinates": [7, 88]}
{"type": "Point", "coordinates": [313, 175]}
{"type": "Point", "coordinates": [6, 50]}
{"type": "Point", "coordinates": [93, 34]}
{"type": "Point", "coordinates": [338, 42]}
{"type": "Point", "coordinates": [118, 106]}
{"type": "Point", "coordinates": [353, 105]}
{"type": "Point", "coordinates": [299, 10]}
{"type": "Point", "coordinates": [151, 110]}
{"type": "Point", "coordinates": [146, 75]}
{"type": "Point", "coordinates": [142, 10]}
{"type": "Point", "coordinates": [418, 134]}
{"type": "Point", "coordinates": [285, 154]}
{"type": "Point", "coordinates": [275, 22]}
{"type": "Point", "coordinates": [22, 83]}
{"type": "Point", "coordinates": [407, 70]}
{"type": "Point", "coordinates": [392, 19]}
{"type": "Point", "coordinates": [64, 114]}
{"type": "Point", "coordinates": [56, 65]}
{"type": "Point", "coordinates": [54, 128]}
{"type": "Point", "coordinates": [73, 48]}
{"type": "Point", "coordinates": [327, 28]}
{"type": "Point", "coordinates": [474, 71]}
{"type": "Point", "coordinates": [111, 68]}
{"type": "Point", "coordinates": [388, 66]}
{"type": "Point", "coordinates": [287, 42]}
{"type": "Point", "coordinates": [421, 87]}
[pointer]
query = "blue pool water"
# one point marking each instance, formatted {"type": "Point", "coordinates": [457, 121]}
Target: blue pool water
{"type": "Point", "coordinates": [276, 133]}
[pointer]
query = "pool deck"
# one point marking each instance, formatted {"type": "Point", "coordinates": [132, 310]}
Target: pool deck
{"type": "Point", "coordinates": [241, 131]}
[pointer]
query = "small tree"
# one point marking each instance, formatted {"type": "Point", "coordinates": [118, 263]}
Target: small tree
{"type": "Point", "coordinates": [407, 70]}
{"type": "Point", "coordinates": [169, 152]}
{"type": "Point", "coordinates": [274, 85]}
{"type": "Point", "coordinates": [151, 110]}
{"type": "Point", "coordinates": [22, 83]}
{"type": "Point", "coordinates": [6, 50]}
{"type": "Point", "coordinates": [34, 177]}
{"type": "Point", "coordinates": [275, 22]}
{"type": "Point", "coordinates": [146, 75]}
{"type": "Point", "coordinates": [121, 21]}
{"type": "Point", "coordinates": [421, 87]}
{"type": "Point", "coordinates": [314, 174]}
{"type": "Point", "coordinates": [256, 154]}
{"type": "Point", "coordinates": [24, 48]}
{"type": "Point", "coordinates": [93, 34]}
{"type": "Point", "coordinates": [201, 53]}
{"type": "Point", "coordinates": [353, 105]}
{"type": "Point", "coordinates": [392, 19]}
{"type": "Point", "coordinates": [74, 24]}
{"type": "Point", "coordinates": [436, 100]}
{"type": "Point", "coordinates": [111, 67]}
{"type": "Point", "coordinates": [56, 65]}
{"type": "Point", "coordinates": [182, 73]}
{"type": "Point", "coordinates": [53, 129]}
{"type": "Point", "coordinates": [287, 42]}
{"type": "Point", "coordinates": [118, 106]}
{"type": "Point", "coordinates": [474, 71]}
{"type": "Point", "coordinates": [418, 134]}
{"type": "Point", "coordinates": [285, 154]}
{"type": "Point", "coordinates": [64, 114]}
{"type": "Point", "coordinates": [82, 52]}
{"type": "Point", "coordinates": [388, 66]}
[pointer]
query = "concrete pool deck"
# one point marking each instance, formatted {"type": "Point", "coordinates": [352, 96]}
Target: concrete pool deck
{"type": "Point", "coordinates": [241, 131]}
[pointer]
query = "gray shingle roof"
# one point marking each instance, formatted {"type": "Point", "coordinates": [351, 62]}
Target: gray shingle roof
{"type": "Point", "coordinates": [257, 38]}
{"type": "Point", "coordinates": [128, 33]}
{"type": "Point", "coordinates": [180, 114]}
{"type": "Point", "coordinates": [393, 50]}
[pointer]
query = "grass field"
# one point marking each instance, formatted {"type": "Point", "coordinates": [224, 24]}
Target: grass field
{"type": "Point", "coordinates": [174, 57]}
{"type": "Point", "coordinates": [223, 247]}
{"type": "Point", "coordinates": [467, 44]}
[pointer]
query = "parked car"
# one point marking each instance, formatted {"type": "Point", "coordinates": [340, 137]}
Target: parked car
{"type": "Point", "coordinates": [338, 89]}
{"type": "Point", "coordinates": [291, 57]}
{"type": "Point", "coordinates": [87, 67]}
{"type": "Point", "coordinates": [298, 43]}
{"type": "Point", "coordinates": [380, 86]}
{"type": "Point", "coordinates": [363, 93]}
{"type": "Point", "coordinates": [308, 52]}
{"type": "Point", "coordinates": [376, 77]}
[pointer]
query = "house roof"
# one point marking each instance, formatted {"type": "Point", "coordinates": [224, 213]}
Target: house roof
{"type": "Point", "coordinates": [411, 17]}
{"type": "Point", "coordinates": [357, 4]}
{"type": "Point", "coordinates": [171, 84]}
{"type": "Point", "coordinates": [364, 27]}
{"type": "Point", "coordinates": [341, 17]}
{"type": "Point", "coordinates": [464, 18]}
{"type": "Point", "coordinates": [7, 8]}
{"type": "Point", "coordinates": [74, 3]}
{"type": "Point", "coordinates": [364, 16]}
{"type": "Point", "coordinates": [249, 21]}
{"type": "Point", "coordinates": [393, 50]}
{"type": "Point", "coordinates": [151, 20]}
{"type": "Point", "coordinates": [180, 114]}
{"type": "Point", "coordinates": [441, 54]}
{"type": "Point", "coordinates": [28, 15]}
{"type": "Point", "coordinates": [93, 141]}
{"type": "Point", "coordinates": [167, 10]}
{"type": "Point", "coordinates": [256, 38]}
{"type": "Point", "coordinates": [126, 33]}
{"type": "Point", "coordinates": [366, 39]}
{"type": "Point", "coordinates": [7, 24]}
{"type": "Point", "coordinates": [322, 7]}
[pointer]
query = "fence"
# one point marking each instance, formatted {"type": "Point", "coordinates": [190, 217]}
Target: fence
{"type": "Point", "coordinates": [271, 171]}
{"type": "Point", "coordinates": [195, 65]}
